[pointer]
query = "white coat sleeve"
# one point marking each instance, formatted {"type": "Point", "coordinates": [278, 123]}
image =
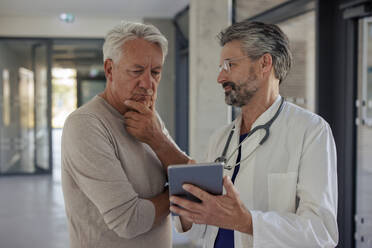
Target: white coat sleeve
{"type": "Point", "coordinates": [314, 224]}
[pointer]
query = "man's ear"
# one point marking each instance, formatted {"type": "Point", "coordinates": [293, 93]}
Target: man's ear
{"type": "Point", "coordinates": [266, 62]}
{"type": "Point", "coordinates": [109, 64]}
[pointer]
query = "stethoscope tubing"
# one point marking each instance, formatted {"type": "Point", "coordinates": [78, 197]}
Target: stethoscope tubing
{"type": "Point", "coordinates": [222, 159]}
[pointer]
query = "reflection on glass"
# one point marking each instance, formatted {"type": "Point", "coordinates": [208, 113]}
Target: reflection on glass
{"type": "Point", "coordinates": [246, 9]}
{"type": "Point", "coordinates": [26, 142]}
{"type": "Point", "coordinates": [367, 87]}
{"type": "Point", "coordinates": [17, 133]}
{"type": "Point", "coordinates": [363, 216]}
{"type": "Point", "coordinates": [24, 146]}
{"type": "Point", "coordinates": [299, 86]}
{"type": "Point", "coordinates": [41, 110]}
{"type": "Point", "coordinates": [6, 98]}
{"type": "Point", "coordinates": [64, 95]}
{"type": "Point", "coordinates": [26, 93]}
{"type": "Point", "coordinates": [91, 88]}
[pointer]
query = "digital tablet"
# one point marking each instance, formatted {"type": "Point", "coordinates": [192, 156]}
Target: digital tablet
{"type": "Point", "coordinates": [208, 177]}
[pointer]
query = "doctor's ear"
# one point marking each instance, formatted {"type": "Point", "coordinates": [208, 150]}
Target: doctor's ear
{"type": "Point", "coordinates": [108, 66]}
{"type": "Point", "coordinates": [266, 62]}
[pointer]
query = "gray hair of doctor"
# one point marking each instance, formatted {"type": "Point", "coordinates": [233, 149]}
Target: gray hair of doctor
{"type": "Point", "coordinates": [258, 39]}
{"type": "Point", "coordinates": [126, 31]}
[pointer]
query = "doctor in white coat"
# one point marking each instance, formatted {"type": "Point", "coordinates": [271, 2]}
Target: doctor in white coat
{"type": "Point", "coordinates": [281, 190]}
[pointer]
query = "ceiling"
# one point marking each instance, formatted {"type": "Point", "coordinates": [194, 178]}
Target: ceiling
{"type": "Point", "coordinates": [82, 54]}
{"type": "Point", "coordinates": [93, 8]}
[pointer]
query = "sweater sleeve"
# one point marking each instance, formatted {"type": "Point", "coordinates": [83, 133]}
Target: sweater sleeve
{"type": "Point", "coordinates": [89, 156]}
{"type": "Point", "coordinates": [197, 231]}
{"type": "Point", "coordinates": [314, 224]}
{"type": "Point", "coordinates": [167, 134]}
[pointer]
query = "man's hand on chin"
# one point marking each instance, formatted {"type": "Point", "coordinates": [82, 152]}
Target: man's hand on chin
{"type": "Point", "coordinates": [142, 123]}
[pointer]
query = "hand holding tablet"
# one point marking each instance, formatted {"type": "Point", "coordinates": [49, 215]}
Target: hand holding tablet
{"type": "Point", "coordinates": [208, 177]}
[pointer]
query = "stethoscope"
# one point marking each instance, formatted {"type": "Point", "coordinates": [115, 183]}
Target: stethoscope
{"type": "Point", "coordinates": [224, 161]}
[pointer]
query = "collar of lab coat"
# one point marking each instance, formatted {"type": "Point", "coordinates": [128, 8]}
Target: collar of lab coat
{"type": "Point", "coordinates": [253, 141]}
{"type": "Point", "coordinates": [263, 118]}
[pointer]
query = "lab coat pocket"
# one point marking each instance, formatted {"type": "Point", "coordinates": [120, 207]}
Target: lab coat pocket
{"type": "Point", "coordinates": [282, 191]}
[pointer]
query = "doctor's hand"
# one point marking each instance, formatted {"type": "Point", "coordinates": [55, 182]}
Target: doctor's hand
{"type": "Point", "coordinates": [226, 211]}
{"type": "Point", "coordinates": [142, 123]}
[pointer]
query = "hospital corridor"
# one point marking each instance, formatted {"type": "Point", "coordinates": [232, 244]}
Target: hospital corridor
{"type": "Point", "coordinates": [54, 59]}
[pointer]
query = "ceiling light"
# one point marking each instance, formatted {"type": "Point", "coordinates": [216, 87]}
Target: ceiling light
{"type": "Point", "coordinates": [67, 17]}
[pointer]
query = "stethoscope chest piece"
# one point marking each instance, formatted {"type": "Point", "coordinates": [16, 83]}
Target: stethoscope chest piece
{"type": "Point", "coordinates": [223, 160]}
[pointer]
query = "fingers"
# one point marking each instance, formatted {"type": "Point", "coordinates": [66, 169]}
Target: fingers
{"type": "Point", "coordinates": [199, 193]}
{"type": "Point", "coordinates": [152, 107]}
{"type": "Point", "coordinates": [186, 204]}
{"type": "Point", "coordinates": [188, 215]}
{"type": "Point", "coordinates": [192, 211]}
{"type": "Point", "coordinates": [137, 106]}
{"type": "Point", "coordinates": [132, 116]}
{"type": "Point", "coordinates": [229, 187]}
{"type": "Point", "coordinates": [191, 161]}
{"type": "Point", "coordinates": [131, 124]}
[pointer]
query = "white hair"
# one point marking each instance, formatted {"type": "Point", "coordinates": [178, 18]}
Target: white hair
{"type": "Point", "coordinates": [125, 31]}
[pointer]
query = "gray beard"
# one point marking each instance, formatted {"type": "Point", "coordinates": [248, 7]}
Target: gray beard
{"type": "Point", "coordinates": [239, 97]}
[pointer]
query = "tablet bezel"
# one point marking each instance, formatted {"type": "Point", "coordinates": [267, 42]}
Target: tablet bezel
{"type": "Point", "coordinates": [207, 176]}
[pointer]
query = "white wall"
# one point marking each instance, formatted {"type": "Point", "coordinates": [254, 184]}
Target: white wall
{"type": "Point", "coordinates": [208, 110]}
{"type": "Point", "coordinates": [165, 103]}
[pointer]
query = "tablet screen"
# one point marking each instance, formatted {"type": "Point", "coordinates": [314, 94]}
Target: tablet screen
{"type": "Point", "coordinates": [208, 177]}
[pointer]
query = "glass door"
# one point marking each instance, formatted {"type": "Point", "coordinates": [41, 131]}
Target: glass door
{"type": "Point", "coordinates": [89, 88]}
{"type": "Point", "coordinates": [363, 216]}
{"type": "Point", "coordinates": [24, 106]}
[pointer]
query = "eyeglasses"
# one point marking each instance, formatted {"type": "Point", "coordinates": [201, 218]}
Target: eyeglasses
{"type": "Point", "coordinates": [227, 64]}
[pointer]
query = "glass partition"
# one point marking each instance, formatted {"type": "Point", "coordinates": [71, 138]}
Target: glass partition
{"type": "Point", "coordinates": [363, 211]}
{"type": "Point", "coordinates": [247, 9]}
{"type": "Point", "coordinates": [23, 106]}
{"type": "Point", "coordinates": [299, 87]}
{"type": "Point", "coordinates": [89, 89]}
{"type": "Point", "coordinates": [367, 73]}
{"type": "Point", "coordinates": [41, 111]}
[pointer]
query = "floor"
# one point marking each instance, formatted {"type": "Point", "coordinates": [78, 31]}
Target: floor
{"type": "Point", "coordinates": [32, 211]}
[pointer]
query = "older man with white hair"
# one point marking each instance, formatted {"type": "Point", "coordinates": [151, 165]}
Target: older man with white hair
{"type": "Point", "coordinates": [113, 184]}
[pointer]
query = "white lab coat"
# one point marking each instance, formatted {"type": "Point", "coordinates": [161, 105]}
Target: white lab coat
{"type": "Point", "coordinates": [289, 183]}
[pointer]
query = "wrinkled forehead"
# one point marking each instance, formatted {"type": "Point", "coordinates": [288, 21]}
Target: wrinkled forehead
{"type": "Point", "coordinates": [140, 51]}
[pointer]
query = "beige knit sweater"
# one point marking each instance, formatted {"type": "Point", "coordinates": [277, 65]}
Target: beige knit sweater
{"type": "Point", "coordinates": [107, 177]}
